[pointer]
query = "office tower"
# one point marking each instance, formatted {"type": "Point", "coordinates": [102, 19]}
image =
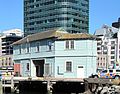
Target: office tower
{"type": "Point", "coordinates": [116, 24]}
{"type": "Point", "coordinates": [42, 15]}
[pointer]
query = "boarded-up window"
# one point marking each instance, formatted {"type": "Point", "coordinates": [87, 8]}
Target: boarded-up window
{"type": "Point", "coordinates": [47, 69]}
{"type": "Point", "coordinates": [68, 66]}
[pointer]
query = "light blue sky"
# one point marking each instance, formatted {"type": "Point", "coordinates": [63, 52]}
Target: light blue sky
{"type": "Point", "coordinates": [101, 12]}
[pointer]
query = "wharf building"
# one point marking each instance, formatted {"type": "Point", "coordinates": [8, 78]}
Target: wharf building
{"type": "Point", "coordinates": [56, 53]}
{"type": "Point", "coordinates": [7, 37]}
{"type": "Point", "coordinates": [42, 15]}
{"type": "Point", "coordinates": [108, 47]}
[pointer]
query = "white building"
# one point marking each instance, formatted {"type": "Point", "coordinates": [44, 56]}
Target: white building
{"type": "Point", "coordinates": [108, 48]}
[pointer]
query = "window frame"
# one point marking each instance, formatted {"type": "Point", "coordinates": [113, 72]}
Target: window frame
{"type": "Point", "coordinates": [68, 68]}
{"type": "Point", "coordinates": [69, 44]}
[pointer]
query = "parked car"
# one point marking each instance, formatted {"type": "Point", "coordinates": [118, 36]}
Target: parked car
{"type": "Point", "coordinates": [108, 73]}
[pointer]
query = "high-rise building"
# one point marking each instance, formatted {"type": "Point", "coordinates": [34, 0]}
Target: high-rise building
{"type": "Point", "coordinates": [116, 24]}
{"type": "Point", "coordinates": [42, 15]}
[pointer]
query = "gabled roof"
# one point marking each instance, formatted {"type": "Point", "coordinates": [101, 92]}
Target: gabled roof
{"type": "Point", "coordinates": [58, 34]}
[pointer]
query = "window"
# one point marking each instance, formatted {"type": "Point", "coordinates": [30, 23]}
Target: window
{"type": "Point", "coordinates": [72, 44]}
{"type": "Point", "coordinates": [50, 45]}
{"type": "Point", "coordinates": [112, 57]}
{"type": "Point", "coordinates": [105, 71]}
{"type": "Point", "coordinates": [112, 47]}
{"type": "Point", "coordinates": [98, 44]}
{"type": "Point", "coordinates": [112, 62]}
{"type": "Point", "coordinates": [110, 70]}
{"type": "Point", "coordinates": [112, 42]}
{"type": "Point", "coordinates": [68, 66]}
{"type": "Point", "coordinates": [27, 47]}
{"type": "Point", "coordinates": [37, 47]}
{"type": "Point", "coordinates": [20, 49]}
{"type": "Point", "coordinates": [112, 52]}
{"type": "Point", "coordinates": [67, 44]}
{"type": "Point", "coordinates": [98, 58]}
{"type": "Point", "coordinates": [47, 69]}
{"type": "Point", "coordinates": [2, 62]}
{"type": "Point", "coordinates": [28, 66]}
{"type": "Point", "coordinates": [117, 70]}
{"type": "Point", "coordinates": [98, 52]}
{"type": "Point", "coordinates": [98, 48]}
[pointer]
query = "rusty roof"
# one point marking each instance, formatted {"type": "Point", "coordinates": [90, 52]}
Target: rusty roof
{"type": "Point", "coordinates": [58, 34]}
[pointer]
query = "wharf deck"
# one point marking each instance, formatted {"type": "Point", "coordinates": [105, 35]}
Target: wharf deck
{"type": "Point", "coordinates": [102, 81]}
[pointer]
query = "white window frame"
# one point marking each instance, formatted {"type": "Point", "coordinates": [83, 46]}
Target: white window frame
{"type": "Point", "coordinates": [69, 45]}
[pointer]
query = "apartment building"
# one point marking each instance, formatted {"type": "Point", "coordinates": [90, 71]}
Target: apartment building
{"type": "Point", "coordinates": [108, 47]}
{"type": "Point", "coordinates": [7, 37]}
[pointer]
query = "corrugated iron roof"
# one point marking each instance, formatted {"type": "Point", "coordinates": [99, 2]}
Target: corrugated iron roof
{"type": "Point", "coordinates": [53, 34]}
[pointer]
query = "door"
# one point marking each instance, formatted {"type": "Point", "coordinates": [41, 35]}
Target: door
{"type": "Point", "coordinates": [39, 64]}
{"type": "Point", "coordinates": [80, 72]}
{"type": "Point", "coordinates": [37, 71]}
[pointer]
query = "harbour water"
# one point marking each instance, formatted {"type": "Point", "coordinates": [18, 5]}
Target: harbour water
{"type": "Point", "coordinates": [25, 93]}
{"type": "Point", "coordinates": [35, 93]}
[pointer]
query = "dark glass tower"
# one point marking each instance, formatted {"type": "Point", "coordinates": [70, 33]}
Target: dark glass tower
{"type": "Point", "coordinates": [116, 24]}
{"type": "Point", "coordinates": [41, 15]}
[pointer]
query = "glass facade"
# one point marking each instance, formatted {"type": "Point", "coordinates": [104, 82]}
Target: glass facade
{"type": "Point", "coordinates": [41, 15]}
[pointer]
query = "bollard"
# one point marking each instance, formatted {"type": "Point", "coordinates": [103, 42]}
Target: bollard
{"type": "Point", "coordinates": [12, 85]}
{"type": "Point", "coordinates": [49, 85]}
{"type": "Point", "coordinates": [1, 89]}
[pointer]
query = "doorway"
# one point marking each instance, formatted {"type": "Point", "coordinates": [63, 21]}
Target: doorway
{"type": "Point", "coordinates": [80, 72]}
{"type": "Point", "coordinates": [39, 65]}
